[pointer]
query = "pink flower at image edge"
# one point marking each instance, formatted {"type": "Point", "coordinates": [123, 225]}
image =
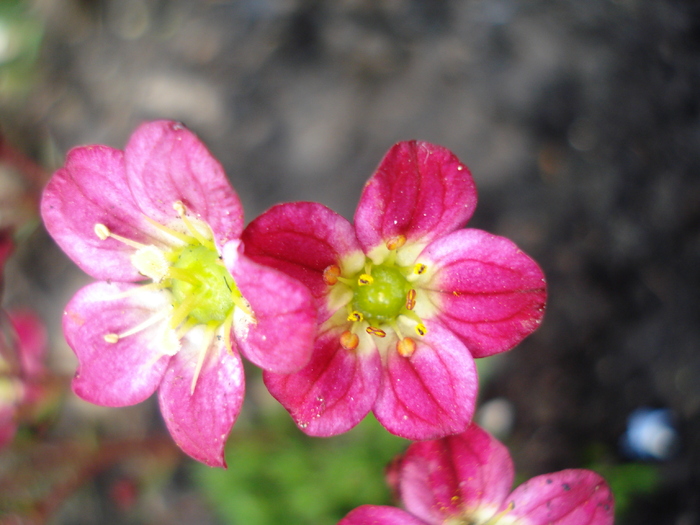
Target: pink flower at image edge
{"type": "Point", "coordinates": [468, 478]}
{"type": "Point", "coordinates": [158, 225]}
{"type": "Point", "coordinates": [406, 298]}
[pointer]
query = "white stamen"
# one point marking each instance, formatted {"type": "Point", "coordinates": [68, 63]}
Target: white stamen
{"type": "Point", "coordinates": [151, 262]}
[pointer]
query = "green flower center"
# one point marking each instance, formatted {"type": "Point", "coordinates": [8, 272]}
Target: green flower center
{"type": "Point", "coordinates": [382, 298]}
{"type": "Point", "coordinates": [204, 281]}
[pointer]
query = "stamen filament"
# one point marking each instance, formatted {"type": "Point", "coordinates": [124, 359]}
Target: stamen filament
{"type": "Point", "coordinates": [104, 233]}
{"type": "Point", "coordinates": [182, 311]}
{"type": "Point", "coordinates": [226, 327]}
{"type": "Point", "coordinates": [176, 234]}
{"type": "Point", "coordinates": [179, 207]}
{"type": "Point", "coordinates": [142, 326]}
{"type": "Point", "coordinates": [134, 291]}
{"type": "Point", "coordinates": [204, 349]}
{"type": "Point", "coordinates": [182, 275]}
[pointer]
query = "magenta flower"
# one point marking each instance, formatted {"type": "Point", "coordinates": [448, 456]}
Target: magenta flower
{"type": "Point", "coordinates": [406, 298]}
{"type": "Point", "coordinates": [163, 212]}
{"type": "Point", "coordinates": [467, 479]}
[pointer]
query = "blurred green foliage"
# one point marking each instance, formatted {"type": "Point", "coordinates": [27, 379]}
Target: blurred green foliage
{"type": "Point", "coordinates": [20, 41]}
{"type": "Point", "coordinates": [277, 474]}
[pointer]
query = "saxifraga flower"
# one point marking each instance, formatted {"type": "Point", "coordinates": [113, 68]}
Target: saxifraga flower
{"type": "Point", "coordinates": [466, 479]}
{"type": "Point", "coordinates": [159, 225]}
{"type": "Point", "coordinates": [406, 298]}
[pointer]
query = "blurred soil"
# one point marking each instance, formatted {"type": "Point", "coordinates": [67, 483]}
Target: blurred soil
{"type": "Point", "coordinates": [579, 120]}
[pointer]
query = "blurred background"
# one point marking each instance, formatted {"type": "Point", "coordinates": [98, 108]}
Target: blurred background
{"type": "Point", "coordinates": [580, 121]}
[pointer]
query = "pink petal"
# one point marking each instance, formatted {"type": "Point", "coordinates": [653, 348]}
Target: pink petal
{"type": "Point", "coordinates": [201, 421]}
{"type": "Point", "coordinates": [302, 239]}
{"type": "Point", "coordinates": [430, 394]}
{"type": "Point", "coordinates": [32, 339]}
{"type": "Point", "coordinates": [379, 515]}
{"type": "Point", "coordinates": [569, 497]}
{"type": "Point", "coordinates": [468, 474]}
{"type": "Point", "coordinates": [122, 373]}
{"type": "Point", "coordinates": [491, 294]}
{"type": "Point", "coordinates": [165, 163]}
{"type": "Point", "coordinates": [282, 337]}
{"type": "Point", "coordinates": [334, 392]}
{"type": "Point", "coordinates": [420, 190]}
{"type": "Point", "coordinates": [91, 189]}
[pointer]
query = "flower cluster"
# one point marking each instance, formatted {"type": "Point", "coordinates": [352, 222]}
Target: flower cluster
{"type": "Point", "coordinates": [385, 314]}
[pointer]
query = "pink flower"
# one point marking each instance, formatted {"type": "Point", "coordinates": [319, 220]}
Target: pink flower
{"type": "Point", "coordinates": [406, 298]}
{"type": "Point", "coordinates": [467, 478]}
{"type": "Point", "coordinates": [23, 344]}
{"type": "Point", "coordinates": [162, 211]}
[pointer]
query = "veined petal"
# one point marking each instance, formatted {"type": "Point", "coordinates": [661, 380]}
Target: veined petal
{"type": "Point", "coordinates": [420, 190]}
{"type": "Point", "coordinates": [431, 393]}
{"type": "Point", "coordinates": [332, 393]}
{"type": "Point", "coordinates": [469, 474]}
{"type": "Point", "coordinates": [569, 497]}
{"type": "Point", "coordinates": [380, 515]}
{"type": "Point", "coordinates": [302, 239]}
{"type": "Point", "coordinates": [125, 372]}
{"type": "Point", "coordinates": [91, 189]}
{"type": "Point", "coordinates": [487, 291]}
{"type": "Point", "coordinates": [200, 421]}
{"type": "Point", "coordinates": [165, 163]}
{"type": "Point", "coordinates": [281, 336]}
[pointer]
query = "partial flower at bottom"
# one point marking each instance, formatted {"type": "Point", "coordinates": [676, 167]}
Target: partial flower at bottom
{"type": "Point", "coordinates": [159, 225]}
{"type": "Point", "coordinates": [466, 480]}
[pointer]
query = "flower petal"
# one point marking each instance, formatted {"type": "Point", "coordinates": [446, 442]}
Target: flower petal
{"type": "Point", "coordinates": [469, 474]}
{"type": "Point", "coordinates": [165, 163]}
{"type": "Point", "coordinates": [302, 239]}
{"type": "Point", "coordinates": [200, 421]}
{"type": "Point", "coordinates": [281, 337]}
{"type": "Point", "coordinates": [431, 393]}
{"type": "Point", "coordinates": [488, 292]}
{"type": "Point", "coordinates": [569, 497]}
{"type": "Point", "coordinates": [379, 515]}
{"type": "Point", "coordinates": [128, 371]}
{"type": "Point", "coordinates": [32, 341]}
{"type": "Point", "coordinates": [334, 392]}
{"type": "Point", "coordinates": [91, 189]}
{"type": "Point", "coordinates": [420, 190]}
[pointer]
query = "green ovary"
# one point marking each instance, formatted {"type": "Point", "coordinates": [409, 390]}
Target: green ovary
{"type": "Point", "coordinates": [202, 280]}
{"type": "Point", "coordinates": [384, 297]}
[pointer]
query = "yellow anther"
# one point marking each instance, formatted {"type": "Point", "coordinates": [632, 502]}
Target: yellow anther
{"type": "Point", "coordinates": [421, 329]}
{"type": "Point", "coordinates": [355, 317]}
{"type": "Point", "coordinates": [111, 338]}
{"type": "Point", "coordinates": [102, 231]}
{"type": "Point", "coordinates": [349, 340]}
{"type": "Point", "coordinates": [405, 347]}
{"type": "Point", "coordinates": [419, 268]}
{"type": "Point", "coordinates": [365, 279]}
{"type": "Point", "coordinates": [371, 330]}
{"type": "Point", "coordinates": [411, 299]}
{"type": "Point", "coordinates": [331, 274]}
{"type": "Point", "coordinates": [395, 242]}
